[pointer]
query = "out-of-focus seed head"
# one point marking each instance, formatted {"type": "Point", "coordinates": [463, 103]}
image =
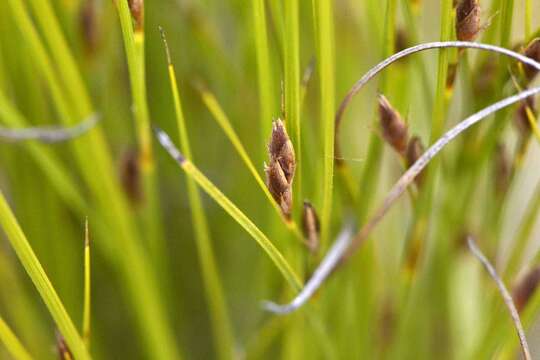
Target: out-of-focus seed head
{"type": "Point", "coordinates": [394, 129]}
{"type": "Point", "coordinates": [451, 76]}
{"type": "Point", "coordinates": [281, 167]}
{"type": "Point", "coordinates": [502, 169]}
{"type": "Point", "coordinates": [415, 149]}
{"type": "Point", "coordinates": [61, 347]}
{"type": "Point", "coordinates": [137, 12]}
{"type": "Point", "coordinates": [521, 119]}
{"type": "Point", "coordinates": [130, 176]}
{"type": "Point", "coordinates": [486, 76]}
{"type": "Point", "coordinates": [311, 227]}
{"type": "Point", "coordinates": [533, 51]}
{"type": "Point", "coordinates": [468, 20]}
{"type": "Point", "coordinates": [402, 40]}
{"type": "Point", "coordinates": [89, 25]}
{"type": "Point", "coordinates": [526, 288]}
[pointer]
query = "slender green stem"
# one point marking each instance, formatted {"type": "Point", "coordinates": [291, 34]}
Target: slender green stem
{"type": "Point", "coordinates": [35, 271]}
{"type": "Point", "coordinates": [94, 158]}
{"type": "Point", "coordinates": [292, 90]}
{"type": "Point", "coordinates": [134, 44]}
{"type": "Point", "coordinates": [87, 288]}
{"type": "Point", "coordinates": [231, 209]}
{"type": "Point", "coordinates": [12, 343]}
{"type": "Point", "coordinates": [264, 69]}
{"type": "Point", "coordinates": [528, 18]}
{"type": "Point", "coordinates": [371, 173]}
{"type": "Point", "coordinates": [221, 324]}
{"type": "Point", "coordinates": [325, 24]}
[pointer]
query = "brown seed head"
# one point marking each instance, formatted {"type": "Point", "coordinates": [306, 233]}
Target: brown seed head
{"type": "Point", "coordinates": [468, 20]}
{"type": "Point", "coordinates": [130, 176]}
{"type": "Point", "coordinates": [533, 51]}
{"type": "Point", "coordinates": [281, 167]}
{"type": "Point", "coordinates": [401, 40]}
{"type": "Point", "coordinates": [311, 227]}
{"type": "Point", "coordinates": [63, 350]}
{"type": "Point", "coordinates": [281, 149]}
{"type": "Point", "coordinates": [137, 12]}
{"type": "Point", "coordinates": [394, 129]}
{"type": "Point", "coordinates": [415, 149]}
{"type": "Point", "coordinates": [89, 27]}
{"type": "Point", "coordinates": [451, 76]}
{"type": "Point", "coordinates": [502, 169]}
{"type": "Point", "coordinates": [525, 288]}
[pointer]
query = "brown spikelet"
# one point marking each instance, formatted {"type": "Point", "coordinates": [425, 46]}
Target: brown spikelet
{"type": "Point", "coordinates": [401, 40]}
{"type": "Point", "coordinates": [394, 129]}
{"type": "Point", "coordinates": [468, 20]}
{"type": "Point", "coordinates": [61, 347]}
{"type": "Point", "coordinates": [89, 27]}
{"type": "Point", "coordinates": [502, 169]}
{"type": "Point", "coordinates": [415, 149]}
{"type": "Point", "coordinates": [521, 119]}
{"type": "Point", "coordinates": [311, 227]}
{"type": "Point", "coordinates": [281, 167]}
{"type": "Point", "coordinates": [130, 176]}
{"type": "Point", "coordinates": [533, 51]}
{"type": "Point", "coordinates": [525, 288]}
{"type": "Point", "coordinates": [137, 12]}
{"type": "Point", "coordinates": [451, 76]}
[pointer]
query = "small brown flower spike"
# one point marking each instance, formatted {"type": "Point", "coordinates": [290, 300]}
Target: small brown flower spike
{"type": "Point", "coordinates": [130, 176]}
{"type": "Point", "coordinates": [394, 129]}
{"type": "Point", "coordinates": [280, 170]}
{"type": "Point", "coordinates": [311, 227]}
{"type": "Point", "coordinates": [468, 20]}
{"type": "Point", "coordinates": [525, 288]}
{"type": "Point", "coordinates": [533, 51]}
{"type": "Point", "coordinates": [137, 11]}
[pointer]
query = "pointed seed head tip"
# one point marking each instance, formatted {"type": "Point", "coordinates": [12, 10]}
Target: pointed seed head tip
{"type": "Point", "coordinates": [394, 129]}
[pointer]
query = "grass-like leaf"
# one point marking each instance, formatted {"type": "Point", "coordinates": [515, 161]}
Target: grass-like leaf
{"type": "Point", "coordinates": [12, 343]}
{"type": "Point", "coordinates": [36, 273]}
{"type": "Point", "coordinates": [87, 287]}
{"type": "Point", "coordinates": [231, 209]}
{"type": "Point", "coordinates": [325, 27]}
{"type": "Point", "coordinates": [264, 69]}
{"type": "Point", "coordinates": [221, 325]}
{"type": "Point", "coordinates": [505, 295]}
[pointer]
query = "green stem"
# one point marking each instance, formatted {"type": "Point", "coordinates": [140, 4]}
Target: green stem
{"type": "Point", "coordinates": [36, 273]}
{"type": "Point", "coordinates": [292, 91]}
{"type": "Point", "coordinates": [12, 343]}
{"type": "Point", "coordinates": [221, 325]}
{"type": "Point", "coordinates": [325, 26]}
{"type": "Point", "coordinates": [264, 69]}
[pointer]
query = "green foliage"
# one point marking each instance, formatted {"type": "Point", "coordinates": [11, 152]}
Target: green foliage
{"type": "Point", "coordinates": [172, 274]}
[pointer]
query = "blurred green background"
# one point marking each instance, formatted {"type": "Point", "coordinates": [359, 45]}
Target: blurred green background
{"type": "Point", "coordinates": [365, 311]}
